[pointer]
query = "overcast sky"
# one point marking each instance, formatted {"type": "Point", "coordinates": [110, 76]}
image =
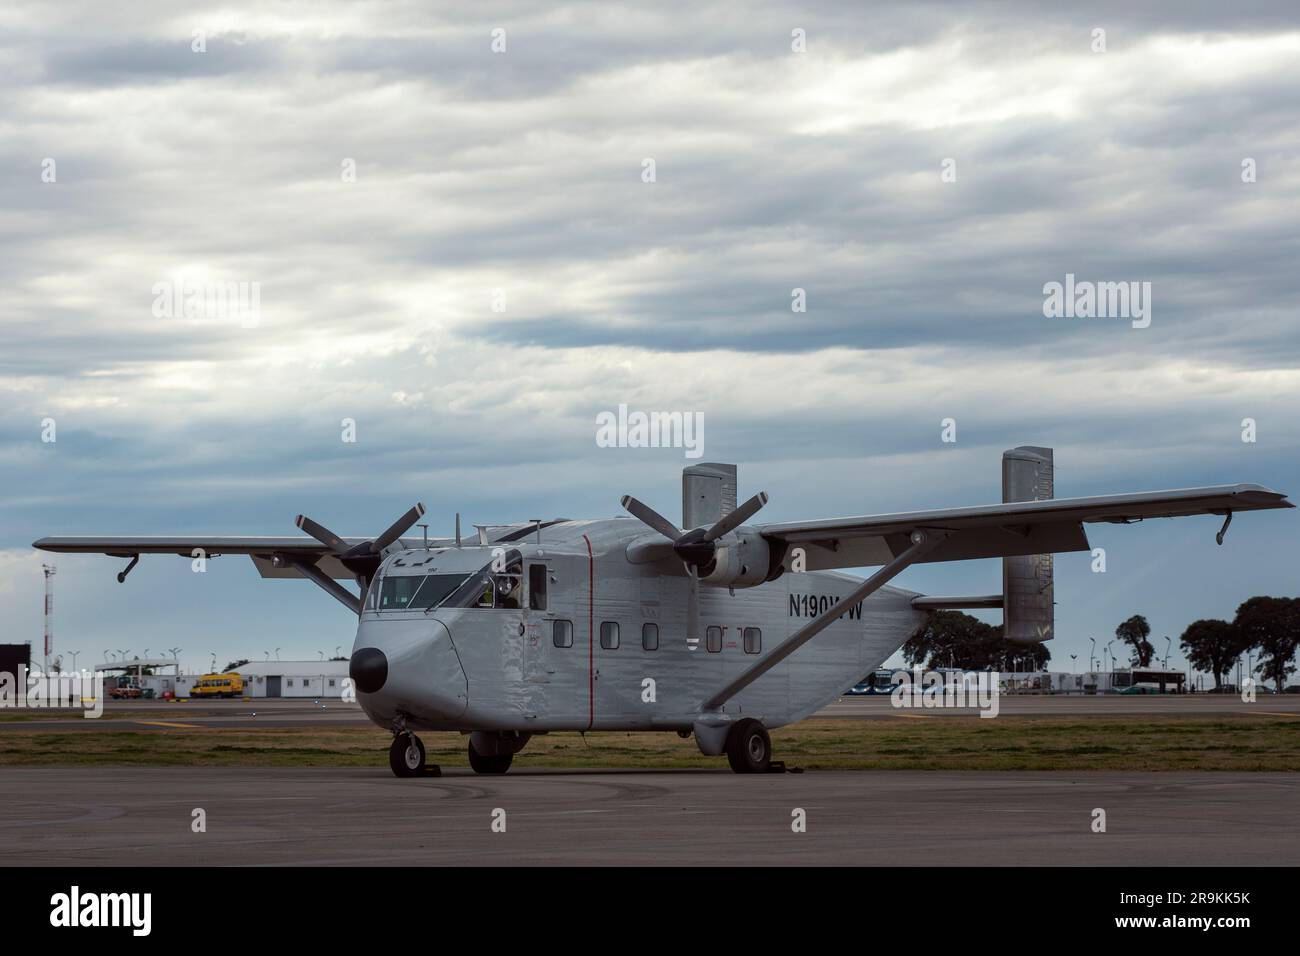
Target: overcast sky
{"type": "Point", "coordinates": [523, 171]}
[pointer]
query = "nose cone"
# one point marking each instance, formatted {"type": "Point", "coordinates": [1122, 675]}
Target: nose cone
{"type": "Point", "coordinates": [368, 669]}
{"type": "Point", "coordinates": [410, 668]}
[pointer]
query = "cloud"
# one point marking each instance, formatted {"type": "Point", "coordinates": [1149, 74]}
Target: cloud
{"type": "Point", "coordinates": [519, 175]}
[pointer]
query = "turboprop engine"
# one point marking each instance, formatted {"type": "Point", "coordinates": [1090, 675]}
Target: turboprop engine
{"type": "Point", "coordinates": [743, 559]}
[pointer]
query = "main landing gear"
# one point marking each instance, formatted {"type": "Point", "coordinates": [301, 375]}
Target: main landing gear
{"type": "Point", "coordinates": [749, 748]}
{"type": "Point", "coordinates": [406, 757]}
{"type": "Point", "coordinates": [497, 763]}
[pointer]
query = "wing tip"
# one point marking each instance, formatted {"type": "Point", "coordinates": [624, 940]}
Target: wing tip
{"type": "Point", "coordinates": [1266, 497]}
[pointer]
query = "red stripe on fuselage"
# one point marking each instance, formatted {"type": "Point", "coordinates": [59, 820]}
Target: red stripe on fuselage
{"type": "Point", "coordinates": [591, 640]}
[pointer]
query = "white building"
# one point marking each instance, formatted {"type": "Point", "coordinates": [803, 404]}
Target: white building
{"type": "Point", "coordinates": [284, 679]}
{"type": "Point", "coordinates": [311, 679]}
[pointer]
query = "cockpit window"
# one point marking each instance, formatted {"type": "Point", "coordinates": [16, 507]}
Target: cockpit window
{"type": "Point", "coordinates": [435, 589]}
{"type": "Point", "coordinates": [413, 592]}
{"type": "Point", "coordinates": [491, 587]}
{"type": "Point", "coordinates": [498, 584]}
{"type": "Point", "coordinates": [397, 592]}
{"type": "Point", "coordinates": [509, 586]}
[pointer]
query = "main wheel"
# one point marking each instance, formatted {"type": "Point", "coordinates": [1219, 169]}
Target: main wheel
{"type": "Point", "coordinates": [481, 764]}
{"type": "Point", "coordinates": [406, 755]}
{"type": "Point", "coordinates": [749, 748]}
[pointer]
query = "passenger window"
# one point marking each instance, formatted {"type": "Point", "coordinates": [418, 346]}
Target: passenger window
{"type": "Point", "coordinates": [713, 639]}
{"type": "Point", "coordinates": [562, 633]}
{"type": "Point", "coordinates": [650, 637]}
{"type": "Point", "coordinates": [537, 587]}
{"type": "Point", "coordinates": [609, 635]}
{"type": "Point", "coordinates": [753, 640]}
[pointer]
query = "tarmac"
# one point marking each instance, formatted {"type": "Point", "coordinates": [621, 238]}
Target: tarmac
{"type": "Point", "coordinates": [142, 716]}
{"type": "Point", "coordinates": [363, 816]}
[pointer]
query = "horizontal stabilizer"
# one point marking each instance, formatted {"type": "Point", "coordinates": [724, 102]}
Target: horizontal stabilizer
{"type": "Point", "coordinates": [932, 602]}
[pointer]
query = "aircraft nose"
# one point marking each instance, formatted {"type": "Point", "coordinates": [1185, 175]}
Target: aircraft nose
{"type": "Point", "coordinates": [368, 669]}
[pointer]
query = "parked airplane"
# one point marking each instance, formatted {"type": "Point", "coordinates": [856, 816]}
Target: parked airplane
{"type": "Point", "coordinates": [719, 629]}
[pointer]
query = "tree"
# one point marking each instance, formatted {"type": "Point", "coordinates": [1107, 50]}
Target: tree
{"type": "Point", "coordinates": [1271, 625]}
{"type": "Point", "coordinates": [1212, 645]}
{"type": "Point", "coordinates": [1134, 632]}
{"type": "Point", "coordinates": [954, 639]}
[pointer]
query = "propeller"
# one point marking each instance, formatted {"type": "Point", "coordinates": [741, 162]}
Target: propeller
{"type": "Point", "coordinates": [695, 548]}
{"type": "Point", "coordinates": [361, 559]}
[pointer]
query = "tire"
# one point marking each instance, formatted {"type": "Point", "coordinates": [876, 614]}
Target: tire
{"type": "Point", "coordinates": [406, 756]}
{"type": "Point", "coordinates": [749, 748]}
{"type": "Point", "coordinates": [481, 764]}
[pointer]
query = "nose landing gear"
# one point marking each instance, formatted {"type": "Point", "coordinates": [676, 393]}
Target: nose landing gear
{"type": "Point", "coordinates": [406, 757]}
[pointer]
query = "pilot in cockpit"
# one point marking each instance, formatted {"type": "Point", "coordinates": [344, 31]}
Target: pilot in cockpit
{"type": "Point", "coordinates": [509, 589]}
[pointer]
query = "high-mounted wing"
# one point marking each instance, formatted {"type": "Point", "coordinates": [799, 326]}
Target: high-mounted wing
{"type": "Point", "coordinates": [1003, 530]}
{"type": "Point", "coordinates": [323, 558]}
{"type": "Point", "coordinates": [261, 550]}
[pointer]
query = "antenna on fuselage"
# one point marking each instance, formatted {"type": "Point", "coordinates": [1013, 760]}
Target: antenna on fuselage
{"type": "Point", "coordinates": [458, 529]}
{"type": "Point", "coordinates": [425, 527]}
{"type": "Point", "coordinates": [537, 526]}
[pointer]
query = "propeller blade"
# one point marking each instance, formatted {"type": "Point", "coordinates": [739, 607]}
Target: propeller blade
{"type": "Point", "coordinates": [693, 609]}
{"type": "Point", "coordinates": [648, 516]}
{"type": "Point", "coordinates": [399, 528]}
{"type": "Point", "coordinates": [322, 534]}
{"type": "Point", "coordinates": [730, 522]}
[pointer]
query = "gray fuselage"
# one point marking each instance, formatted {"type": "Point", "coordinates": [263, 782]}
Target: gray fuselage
{"type": "Point", "coordinates": [605, 647]}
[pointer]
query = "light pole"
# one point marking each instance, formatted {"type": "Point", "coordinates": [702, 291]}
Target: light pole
{"type": "Point", "coordinates": [1168, 646]}
{"type": "Point", "coordinates": [176, 670]}
{"type": "Point", "coordinates": [277, 653]}
{"type": "Point", "coordinates": [1092, 654]}
{"type": "Point", "coordinates": [73, 655]}
{"type": "Point", "coordinates": [1073, 658]}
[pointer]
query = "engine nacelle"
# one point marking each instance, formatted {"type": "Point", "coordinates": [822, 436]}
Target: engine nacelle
{"type": "Point", "coordinates": [743, 559]}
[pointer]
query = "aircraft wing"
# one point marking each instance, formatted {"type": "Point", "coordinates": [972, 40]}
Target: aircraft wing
{"type": "Point", "coordinates": [1003, 530]}
{"type": "Point", "coordinates": [261, 550]}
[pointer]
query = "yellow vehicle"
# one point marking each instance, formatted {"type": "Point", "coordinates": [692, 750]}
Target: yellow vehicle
{"type": "Point", "coordinates": [218, 685]}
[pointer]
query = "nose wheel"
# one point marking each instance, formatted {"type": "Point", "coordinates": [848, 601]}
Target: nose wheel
{"type": "Point", "coordinates": [406, 755]}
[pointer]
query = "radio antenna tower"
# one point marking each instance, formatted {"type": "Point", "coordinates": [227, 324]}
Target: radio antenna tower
{"type": "Point", "coordinates": [49, 613]}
